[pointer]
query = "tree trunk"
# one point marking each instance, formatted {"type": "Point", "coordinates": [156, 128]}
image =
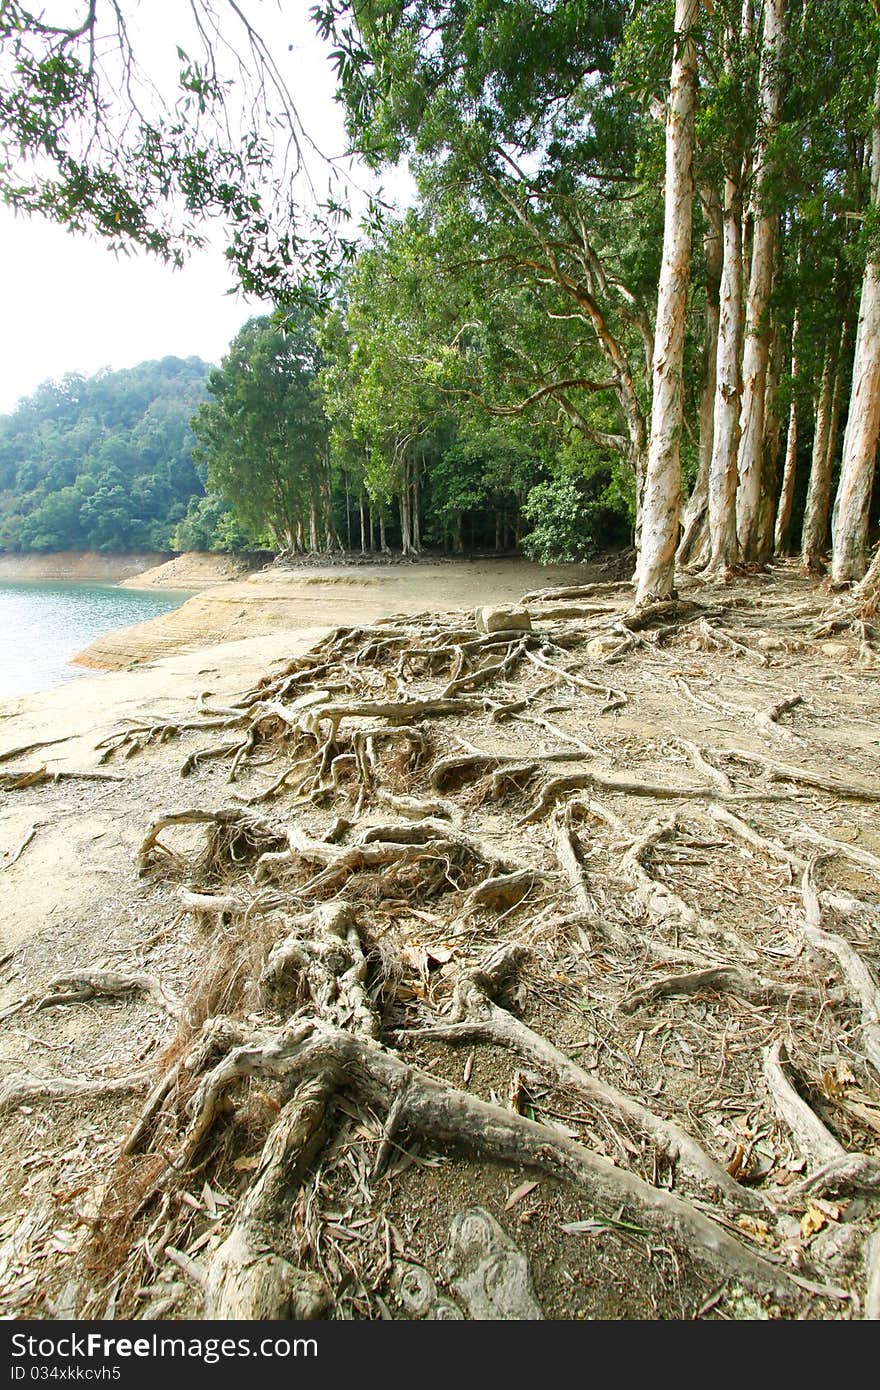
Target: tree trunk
{"type": "Point", "coordinates": [863, 422]}
{"type": "Point", "coordinates": [757, 333]}
{"type": "Point", "coordinates": [371, 510]}
{"type": "Point", "coordinates": [770, 460]}
{"type": "Point", "coordinates": [416, 523]}
{"type": "Point", "coordinates": [782, 534]}
{"type": "Point", "coordinates": [403, 503]}
{"type": "Point", "coordinates": [692, 549]}
{"type": "Point", "coordinates": [723, 549]}
{"type": "Point", "coordinates": [837, 396]}
{"type": "Point", "coordinates": [363, 521]}
{"type": "Point", "coordinates": [383, 543]}
{"type": "Point", "coordinates": [660, 513]}
{"type": "Point", "coordinates": [815, 530]}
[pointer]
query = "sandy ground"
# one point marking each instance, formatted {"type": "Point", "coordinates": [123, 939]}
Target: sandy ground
{"type": "Point", "coordinates": [273, 601]}
{"type": "Point", "coordinates": [59, 876]}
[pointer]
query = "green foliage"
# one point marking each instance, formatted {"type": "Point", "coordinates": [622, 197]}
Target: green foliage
{"type": "Point", "coordinates": [102, 462]}
{"type": "Point", "coordinates": [143, 141]}
{"type": "Point", "coordinates": [584, 507]}
{"type": "Point", "coordinates": [263, 434]}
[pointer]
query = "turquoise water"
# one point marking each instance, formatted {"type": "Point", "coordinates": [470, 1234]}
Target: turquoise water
{"type": "Point", "coordinates": [44, 624]}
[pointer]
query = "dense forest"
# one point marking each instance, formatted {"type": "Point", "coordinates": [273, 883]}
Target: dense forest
{"type": "Point", "coordinates": [102, 462]}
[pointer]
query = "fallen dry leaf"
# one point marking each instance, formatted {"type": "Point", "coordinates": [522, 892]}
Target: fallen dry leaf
{"type": "Point", "coordinates": [518, 1193]}
{"type": "Point", "coordinates": [812, 1221]}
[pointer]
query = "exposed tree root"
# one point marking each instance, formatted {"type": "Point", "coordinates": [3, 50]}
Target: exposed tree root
{"type": "Point", "coordinates": [723, 979]}
{"type": "Point", "coordinates": [19, 1090]}
{"type": "Point", "coordinates": [858, 975]}
{"type": "Point", "coordinates": [450, 1116]}
{"type": "Point", "coordinates": [87, 984]}
{"type": "Point", "coordinates": [477, 1018]}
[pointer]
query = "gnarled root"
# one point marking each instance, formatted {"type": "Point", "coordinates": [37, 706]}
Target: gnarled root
{"type": "Point", "coordinates": [247, 1278]}
{"type": "Point", "coordinates": [478, 1019]}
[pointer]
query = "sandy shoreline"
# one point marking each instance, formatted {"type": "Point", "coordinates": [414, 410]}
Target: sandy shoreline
{"type": "Point", "coordinates": [275, 601]}
{"type": "Point", "coordinates": [226, 637]}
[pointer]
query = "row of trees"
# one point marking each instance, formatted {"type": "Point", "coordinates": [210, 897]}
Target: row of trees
{"type": "Point", "coordinates": [572, 159]}
{"type": "Point", "coordinates": [642, 265]}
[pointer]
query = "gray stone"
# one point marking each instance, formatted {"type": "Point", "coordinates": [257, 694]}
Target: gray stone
{"type": "Point", "coordinates": [487, 1272]}
{"type": "Point", "coordinates": [837, 651]}
{"type": "Point", "coordinates": [414, 1287]}
{"type": "Point", "coordinates": [444, 1310]}
{"type": "Point", "coordinates": [497, 619]}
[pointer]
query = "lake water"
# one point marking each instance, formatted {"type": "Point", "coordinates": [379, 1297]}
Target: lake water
{"type": "Point", "coordinates": [44, 624]}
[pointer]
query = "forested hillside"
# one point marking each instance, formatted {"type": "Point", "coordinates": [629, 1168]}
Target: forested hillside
{"type": "Point", "coordinates": [101, 462]}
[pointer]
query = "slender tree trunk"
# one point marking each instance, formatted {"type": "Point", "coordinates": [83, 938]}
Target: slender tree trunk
{"type": "Point", "coordinates": [837, 395]}
{"type": "Point", "coordinates": [371, 512]}
{"type": "Point", "coordinates": [853, 502]}
{"type": "Point", "coordinates": [383, 543]}
{"type": "Point", "coordinates": [782, 534]}
{"type": "Point", "coordinates": [693, 547]}
{"type": "Point", "coordinates": [416, 522]}
{"type": "Point", "coordinates": [659, 532]}
{"type": "Point", "coordinates": [723, 549]}
{"type": "Point", "coordinates": [403, 503]}
{"type": "Point", "coordinates": [770, 460]}
{"type": "Point", "coordinates": [313, 526]}
{"type": "Point", "coordinates": [363, 521]}
{"type": "Point", "coordinates": [815, 530]}
{"type": "Point", "coordinates": [757, 333]}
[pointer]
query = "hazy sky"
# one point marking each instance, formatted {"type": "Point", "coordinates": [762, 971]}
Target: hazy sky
{"type": "Point", "coordinates": [70, 305]}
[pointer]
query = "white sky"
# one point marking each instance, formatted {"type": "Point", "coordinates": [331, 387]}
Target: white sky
{"type": "Point", "coordinates": [69, 305]}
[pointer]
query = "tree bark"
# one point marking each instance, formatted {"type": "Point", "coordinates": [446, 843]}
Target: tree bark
{"type": "Point", "coordinates": [756, 347]}
{"type": "Point", "coordinates": [849, 557]}
{"type": "Point", "coordinates": [416, 523]}
{"type": "Point", "coordinates": [692, 549]}
{"type": "Point", "coordinates": [782, 533]}
{"type": "Point", "coordinates": [723, 548]}
{"type": "Point", "coordinates": [660, 512]}
{"type": "Point", "coordinates": [837, 396]}
{"type": "Point", "coordinates": [815, 530]}
{"type": "Point", "coordinates": [770, 452]}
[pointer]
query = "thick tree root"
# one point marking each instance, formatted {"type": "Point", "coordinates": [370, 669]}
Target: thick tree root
{"type": "Point", "coordinates": [450, 1116]}
{"type": "Point", "coordinates": [21, 1090]}
{"type": "Point", "coordinates": [724, 979]}
{"type": "Point", "coordinates": [84, 984]}
{"type": "Point", "coordinates": [246, 1278]}
{"type": "Point", "coordinates": [476, 1018]}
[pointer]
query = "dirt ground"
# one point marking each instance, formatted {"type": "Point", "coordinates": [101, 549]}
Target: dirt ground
{"type": "Point", "coordinates": [607, 969]}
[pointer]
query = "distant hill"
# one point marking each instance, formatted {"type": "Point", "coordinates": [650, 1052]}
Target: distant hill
{"type": "Point", "coordinates": [102, 462]}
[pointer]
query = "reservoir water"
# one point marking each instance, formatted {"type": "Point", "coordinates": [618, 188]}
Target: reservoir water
{"type": "Point", "coordinates": [44, 624]}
